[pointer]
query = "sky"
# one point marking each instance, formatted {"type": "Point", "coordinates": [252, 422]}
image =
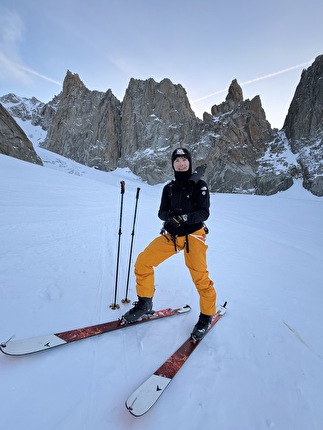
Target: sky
{"type": "Point", "coordinates": [200, 45]}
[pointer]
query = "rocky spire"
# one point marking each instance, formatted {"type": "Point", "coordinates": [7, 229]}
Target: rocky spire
{"type": "Point", "coordinates": [73, 86]}
{"type": "Point", "coordinates": [233, 99]}
{"type": "Point", "coordinates": [86, 126]}
{"type": "Point", "coordinates": [235, 93]}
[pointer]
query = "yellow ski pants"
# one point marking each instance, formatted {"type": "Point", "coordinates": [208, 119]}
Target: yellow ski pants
{"type": "Point", "coordinates": [162, 248]}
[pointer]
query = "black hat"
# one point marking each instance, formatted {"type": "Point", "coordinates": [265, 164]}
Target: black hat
{"type": "Point", "coordinates": [181, 152]}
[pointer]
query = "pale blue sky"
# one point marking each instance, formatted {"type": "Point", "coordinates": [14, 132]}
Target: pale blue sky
{"type": "Point", "coordinates": [202, 45]}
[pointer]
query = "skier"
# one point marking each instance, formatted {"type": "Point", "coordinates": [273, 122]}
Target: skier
{"type": "Point", "coordinates": [184, 207]}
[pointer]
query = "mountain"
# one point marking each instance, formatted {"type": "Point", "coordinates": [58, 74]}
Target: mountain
{"type": "Point", "coordinates": [242, 152]}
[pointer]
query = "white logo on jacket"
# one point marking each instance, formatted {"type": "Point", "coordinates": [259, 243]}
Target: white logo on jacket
{"type": "Point", "coordinates": [204, 190]}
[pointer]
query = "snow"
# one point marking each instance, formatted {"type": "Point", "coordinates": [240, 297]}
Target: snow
{"type": "Point", "coordinates": [34, 133]}
{"type": "Point", "coordinates": [260, 368]}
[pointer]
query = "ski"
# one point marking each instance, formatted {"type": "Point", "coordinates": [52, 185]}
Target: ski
{"type": "Point", "coordinates": [44, 343]}
{"type": "Point", "coordinates": [145, 396]}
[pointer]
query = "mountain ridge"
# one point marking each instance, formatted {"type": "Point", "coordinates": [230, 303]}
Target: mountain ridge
{"type": "Point", "coordinates": [242, 152]}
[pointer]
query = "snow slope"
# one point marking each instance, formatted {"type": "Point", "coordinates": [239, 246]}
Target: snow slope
{"type": "Point", "coordinates": [260, 368]}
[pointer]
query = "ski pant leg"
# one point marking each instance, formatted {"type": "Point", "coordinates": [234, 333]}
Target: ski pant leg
{"type": "Point", "coordinates": [155, 253]}
{"type": "Point", "coordinates": [195, 260]}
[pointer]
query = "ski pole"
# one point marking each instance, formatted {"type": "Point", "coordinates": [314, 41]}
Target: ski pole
{"type": "Point", "coordinates": [114, 305]}
{"type": "Point", "coordinates": [126, 300]}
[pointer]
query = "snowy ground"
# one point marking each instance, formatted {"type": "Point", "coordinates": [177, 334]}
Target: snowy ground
{"type": "Point", "coordinates": [260, 368]}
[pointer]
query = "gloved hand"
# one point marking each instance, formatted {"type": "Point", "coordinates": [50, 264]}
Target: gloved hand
{"type": "Point", "coordinates": [175, 212]}
{"type": "Point", "coordinates": [174, 222]}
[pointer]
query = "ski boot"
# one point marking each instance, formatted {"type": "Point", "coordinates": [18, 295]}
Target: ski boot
{"type": "Point", "coordinates": [201, 327]}
{"type": "Point", "coordinates": [142, 307]}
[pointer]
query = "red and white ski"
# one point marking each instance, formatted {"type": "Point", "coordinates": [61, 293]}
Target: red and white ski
{"type": "Point", "coordinates": [145, 396]}
{"type": "Point", "coordinates": [44, 343]}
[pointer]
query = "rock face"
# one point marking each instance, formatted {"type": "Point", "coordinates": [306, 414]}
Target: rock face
{"type": "Point", "coordinates": [141, 132]}
{"type": "Point", "coordinates": [96, 129]}
{"type": "Point", "coordinates": [303, 126]}
{"type": "Point", "coordinates": [156, 117]}
{"type": "Point", "coordinates": [86, 126]}
{"type": "Point", "coordinates": [242, 152]}
{"type": "Point", "coordinates": [234, 138]}
{"type": "Point", "coordinates": [13, 140]}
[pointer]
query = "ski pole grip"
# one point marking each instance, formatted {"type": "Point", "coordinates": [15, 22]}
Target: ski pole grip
{"type": "Point", "coordinates": [197, 174]}
{"type": "Point", "coordinates": [137, 195]}
{"type": "Point", "coordinates": [123, 184]}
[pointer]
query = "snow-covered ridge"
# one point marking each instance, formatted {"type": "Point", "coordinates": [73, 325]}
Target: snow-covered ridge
{"type": "Point", "coordinates": [22, 107]}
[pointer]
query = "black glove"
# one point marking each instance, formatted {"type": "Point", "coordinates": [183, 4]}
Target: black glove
{"type": "Point", "coordinates": [174, 222]}
{"type": "Point", "coordinates": [175, 212]}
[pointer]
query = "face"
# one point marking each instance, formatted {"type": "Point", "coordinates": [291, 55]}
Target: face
{"type": "Point", "coordinates": [181, 164]}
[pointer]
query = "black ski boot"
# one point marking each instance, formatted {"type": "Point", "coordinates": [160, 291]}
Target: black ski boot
{"type": "Point", "coordinates": [201, 327]}
{"type": "Point", "coordinates": [142, 307]}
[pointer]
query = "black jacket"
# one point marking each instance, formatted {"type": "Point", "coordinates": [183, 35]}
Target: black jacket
{"type": "Point", "coordinates": [180, 197]}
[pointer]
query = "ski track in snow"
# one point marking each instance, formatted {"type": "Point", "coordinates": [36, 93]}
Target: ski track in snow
{"type": "Point", "coordinates": [299, 337]}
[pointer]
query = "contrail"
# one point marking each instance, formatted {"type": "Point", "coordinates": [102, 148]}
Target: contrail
{"type": "Point", "coordinates": [12, 65]}
{"type": "Point", "coordinates": [277, 73]}
{"type": "Point", "coordinates": [270, 75]}
{"type": "Point", "coordinates": [39, 75]}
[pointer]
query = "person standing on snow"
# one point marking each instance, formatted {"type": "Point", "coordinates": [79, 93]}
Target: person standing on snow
{"type": "Point", "coordinates": [184, 207]}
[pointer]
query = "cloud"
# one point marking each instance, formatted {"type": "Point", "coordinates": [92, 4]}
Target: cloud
{"type": "Point", "coordinates": [9, 70]}
{"type": "Point", "coordinates": [270, 75]}
{"type": "Point", "coordinates": [12, 31]}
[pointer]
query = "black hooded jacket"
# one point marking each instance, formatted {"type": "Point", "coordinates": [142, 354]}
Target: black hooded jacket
{"type": "Point", "coordinates": [184, 197]}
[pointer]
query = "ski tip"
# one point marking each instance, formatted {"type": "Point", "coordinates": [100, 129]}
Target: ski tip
{"type": "Point", "coordinates": [131, 410]}
{"type": "Point", "coordinates": [183, 309]}
{"type": "Point", "coordinates": [128, 406]}
{"type": "Point", "coordinates": [4, 344]}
